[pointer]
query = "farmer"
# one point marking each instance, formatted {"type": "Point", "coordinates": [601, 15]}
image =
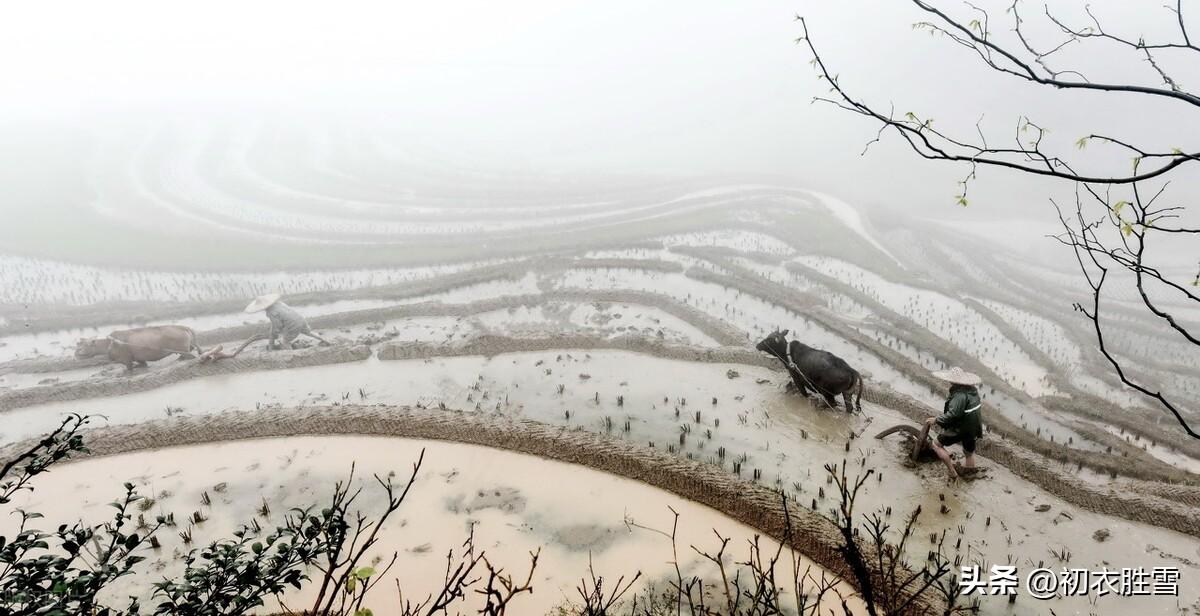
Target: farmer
{"type": "Point", "coordinates": [286, 323]}
{"type": "Point", "coordinates": [961, 421]}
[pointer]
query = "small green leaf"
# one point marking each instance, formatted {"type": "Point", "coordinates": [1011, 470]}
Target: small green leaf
{"type": "Point", "coordinates": [962, 200]}
{"type": "Point", "coordinates": [364, 573]}
{"type": "Point", "coordinates": [1127, 229]}
{"type": "Point", "coordinates": [1082, 143]}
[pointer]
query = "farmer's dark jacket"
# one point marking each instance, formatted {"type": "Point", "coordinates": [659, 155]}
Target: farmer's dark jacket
{"type": "Point", "coordinates": [961, 415]}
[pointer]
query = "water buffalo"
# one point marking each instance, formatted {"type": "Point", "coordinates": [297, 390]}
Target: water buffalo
{"type": "Point", "coordinates": [822, 371]}
{"type": "Point", "coordinates": [138, 346]}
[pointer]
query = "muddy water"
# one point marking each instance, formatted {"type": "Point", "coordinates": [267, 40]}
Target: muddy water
{"type": "Point", "coordinates": [784, 437]}
{"type": "Point", "coordinates": [515, 502]}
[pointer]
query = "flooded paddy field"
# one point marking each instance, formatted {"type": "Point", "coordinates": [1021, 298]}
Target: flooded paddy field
{"type": "Point", "coordinates": [505, 499]}
{"type": "Point", "coordinates": [632, 323]}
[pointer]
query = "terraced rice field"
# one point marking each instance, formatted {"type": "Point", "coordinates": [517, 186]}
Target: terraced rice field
{"type": "Point", "coordinates": [626, 311]}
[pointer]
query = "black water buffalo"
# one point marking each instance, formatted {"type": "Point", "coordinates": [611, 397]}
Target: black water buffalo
{"type": "Point", "coordinates": [821, 371]}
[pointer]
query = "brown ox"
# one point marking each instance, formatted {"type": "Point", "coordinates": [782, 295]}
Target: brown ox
{"type": "Point", "coordinates": [138, 346]}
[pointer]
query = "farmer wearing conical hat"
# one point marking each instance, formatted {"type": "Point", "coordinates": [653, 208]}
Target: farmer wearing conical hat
{"type": "Point", "coordinates": [961, 421]}
{"type": "Point", "coordinates": [286, 323]}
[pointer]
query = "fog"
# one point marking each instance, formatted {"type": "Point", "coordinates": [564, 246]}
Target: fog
{"type": "Point", "coordinates": [544, 226]}
{"type": "Point", "coordinates": [572, 88]}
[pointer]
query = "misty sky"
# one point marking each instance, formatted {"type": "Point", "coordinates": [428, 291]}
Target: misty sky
{"type": "Point", "coordinates": [700, 87]}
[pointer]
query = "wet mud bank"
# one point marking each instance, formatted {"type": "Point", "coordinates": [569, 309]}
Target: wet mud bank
{"type": "Point", "coordinates": [178, 372]}
{"type": "Point", "coordinates": [489, 346]}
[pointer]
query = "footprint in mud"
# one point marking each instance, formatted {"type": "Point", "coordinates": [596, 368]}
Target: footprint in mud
{"type": "Point", "coordinates": [585, 537]}
{"type": "Point", "coordinates": [508, 500]}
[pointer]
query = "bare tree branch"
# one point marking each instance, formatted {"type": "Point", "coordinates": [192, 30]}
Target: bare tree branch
{"type": "Point", "coordinates": [1118, 237]}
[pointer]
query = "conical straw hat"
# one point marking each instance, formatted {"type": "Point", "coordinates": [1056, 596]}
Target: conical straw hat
{"type": "Point", "coordinates": [262, 302]}
{"type": "Point", "coordinates": [958, 376]}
